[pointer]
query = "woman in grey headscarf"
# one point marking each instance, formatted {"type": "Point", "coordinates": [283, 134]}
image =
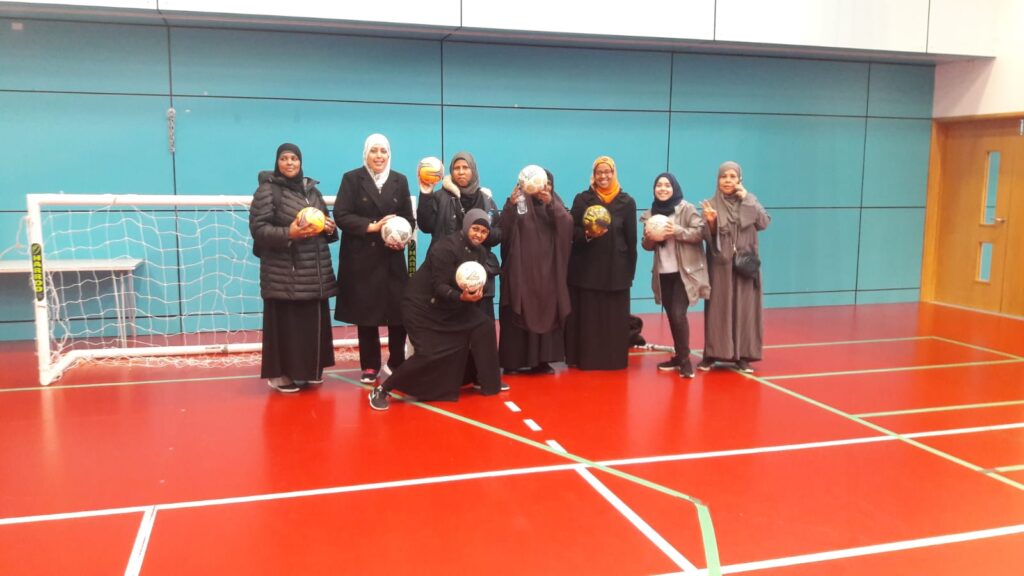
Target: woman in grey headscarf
{"type": "Point", "coordinates": [733, 324]}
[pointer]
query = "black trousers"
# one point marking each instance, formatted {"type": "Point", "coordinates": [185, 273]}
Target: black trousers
{"type": "Point", "coordinates": [369, 347]}
{"type": "Point", "coordinates": [675, 301]}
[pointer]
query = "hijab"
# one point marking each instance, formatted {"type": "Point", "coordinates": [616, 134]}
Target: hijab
{"type": "Point", "coordinates": [728, 204]}
{"type": "Point", "coordinates": [298, 182]}
{"type": "Point", "coordinates": [473, 186]}
{"type": "Point", "coordinates": [371, 141]}
{"type": "Point", "coordinates": [475, 216]}
{"type": "Point", "coordinates": [606, 194]}
{"type": "Point", "coordinates": [667, 207]}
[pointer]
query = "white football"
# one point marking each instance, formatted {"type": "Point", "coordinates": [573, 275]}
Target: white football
{"type": "Point", "coordinates": [470, 275]}
{"type": "Point", "coordinates": [532, 179]}
{"type": "Point", "coordinates": [396, 231]}
{"type": "Point", "coordinates": [656, 227]}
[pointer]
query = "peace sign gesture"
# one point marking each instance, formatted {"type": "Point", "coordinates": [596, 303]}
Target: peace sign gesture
{"type": "Point", "coordinates": [710, 214]}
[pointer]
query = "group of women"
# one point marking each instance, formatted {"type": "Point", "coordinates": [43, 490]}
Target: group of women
{"type": "Point", "coordinates": [564, 290]}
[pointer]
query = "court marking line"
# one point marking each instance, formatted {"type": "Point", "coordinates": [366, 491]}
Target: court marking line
{"type": "Point", "coordinates": [512, 406]}
{"type": "Point", "coordinates": [846, 342]}
{"type": "Point", "coordinates": [877, 428]}
{"type": "Point", "coordinates": [639, 523]}
{"type": "Point", "coordinates": [897, 369]}
{"type": "Point", "coordinates": [939, 409]}
{"type": "Point", "coordinates": [532, 425]}
{"type": "Point", "coordinates": [976, 347]}
{"type": "Point", "coordinates": [1000, 469]}
{"type": "Point", "coordinates": [484, 475]}
{"type": "Point", "coordinates": [150, 382]}
{"type": "Point", "coordinates": [141, 542]}
{"type": "Point", "coordinates": [554, 444]}
{"type": "Point", "coordinates": [869, 550]}
{"type": "Point", "coordinates": [707, 529]}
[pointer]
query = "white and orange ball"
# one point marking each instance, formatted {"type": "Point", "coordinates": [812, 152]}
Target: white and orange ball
{"type": "Point", "coordinates": [430, 170]}
{"type": "Point", "coordinates": [311, 216]}
{"type": "Point", "coordinates": [470, 275]}
{"type": "Point", "coordinates": [532, 179]}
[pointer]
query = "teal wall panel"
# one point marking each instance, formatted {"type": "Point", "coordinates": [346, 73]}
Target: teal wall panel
{"type": "Point", "coordinates": [768, 85]}
{"type": "Point", "coordinates": [887, 296]}
{"type": "Point", "coordinates": [891, 245]}
{"type": "Point", "coordinates": [901, 90]}
{"type": "Point", "coordinates": [527, 76]}
{"type": "Point", "coordinates": [305, 66]}
{"type": "Point", "coordinates": [80, 143]}
{"type": "Point", "coordinates": [813, 250]}
{"type": "Point", "coordinates": [896, 162]}
{"type": "Point", "coordinates": [788, 161]}
{"type": "Point", "coordinates": [809, 299]}
{"type": "Point", "coordinates": [67, 56]}
{"type": "Point", "coordinates": [224, 143]}
{"type": "Point", "coordinates": [566, 142]}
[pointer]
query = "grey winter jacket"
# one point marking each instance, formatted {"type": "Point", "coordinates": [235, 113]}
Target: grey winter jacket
{"type": "Point", "coordinates": [289, 269]}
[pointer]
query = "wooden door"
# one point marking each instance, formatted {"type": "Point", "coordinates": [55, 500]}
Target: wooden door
{"type": "Point", "coordinates": [974, 241]}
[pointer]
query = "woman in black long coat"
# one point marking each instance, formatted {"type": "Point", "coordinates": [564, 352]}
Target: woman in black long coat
{"type": "Point", "coordinates": [445, 322]}
{"type": "Point", "coordinates": [601, 269]}
{"type": "Point", "coordinates": [296, 278]}
{"type": "Point", "coordinates": [371, 274]}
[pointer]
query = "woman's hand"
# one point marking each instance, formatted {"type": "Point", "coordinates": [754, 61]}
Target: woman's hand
{"type": "Point", "coordinates": [450, 186]}
{"type": "Point", "coordinates": [741, 192]}
{"type": "Point", "coordinates": [709, 213]}
{"type": "Point", "coordinates": [298, 232]}
{"type": "Point", "coordinates": [516, 193]}
{"type": "Point", "coordinates": [544, 196]}
{"type": "Point", "coordinates": [329, 226]}
{"type": "Point", "coordinates": [374, 227]}
{"type": "Point", "coordinates": [597, 233]}
{"type": "Point", "coordinates": [472, 295]}
{"type": "Point", "coordinates": [670, 229]}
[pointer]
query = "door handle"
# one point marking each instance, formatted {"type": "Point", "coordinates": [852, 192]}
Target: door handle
{"type": "Point", "coordinates": [1000, 220]}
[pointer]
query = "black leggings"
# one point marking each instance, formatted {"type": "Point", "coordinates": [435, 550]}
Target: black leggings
{"type": "Point", "coordinates": [369, 347]}
{"type": "Point", "coordinates": [675, 301]}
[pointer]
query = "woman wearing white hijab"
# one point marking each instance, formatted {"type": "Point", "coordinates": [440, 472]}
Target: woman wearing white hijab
{"type": "Point", "coordinates": [371, 274]}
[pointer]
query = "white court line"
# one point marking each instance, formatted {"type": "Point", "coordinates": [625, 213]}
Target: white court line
{"type": "Point", "coordinates": [141, 542]}
{"type": "Point", "coordinates": [556, 446]}
{"type": "Point", "coordinates": [636, 520]}
{"type": "Point", "coordinates": [512, 406]}
{"type": "Point", "coordinates": [888, 370]}
{"type": "Point", "coordinates": [532, 425]}
{"type": "Point", "coordinates": [488, 474]}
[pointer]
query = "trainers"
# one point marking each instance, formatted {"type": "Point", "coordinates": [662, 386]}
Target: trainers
{"type": "Point", "coordinates": [379, 399]}
{"type": "Point", "coordinates": [686, 368]}
{"type": "Point", "coordinates": [504, 386]}
{"type": "Point", "coordinates": [368, 377]}
{"type": "Point", "coordinates": [669, 365]}
{"type": "Point", "coordinates": [745, 367]}
{"type": "Point", "coordinates": [542, 368]}
{"type": "Point", "coordinates": [283, 384]}
{"type": "Point", "coordinates": [706, 364]}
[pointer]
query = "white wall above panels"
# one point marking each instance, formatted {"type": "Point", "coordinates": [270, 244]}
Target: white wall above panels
{"type": "Point", "coordinates": [888, 25]}
{"type": "Point", "coordinates": [684, 19]}
{"type": "Point", "coordinates": [418, 12]}
{"type": "Point", "coordinates": [965, 26]}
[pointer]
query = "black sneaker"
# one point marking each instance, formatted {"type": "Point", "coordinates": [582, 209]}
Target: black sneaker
{"type": "Point", "coordinates": [669, 365]}
{"type": "Point", "coordinates": [379, 399]}
{"type": "Point", "coordinates": [686, 368]}
{"type": "Point", "coordinates": [745, 367]}
{"type": "Point", "coordinates": [504, 386]}
{"type": "Point", "coordinates": [368, 377]}
{"type": "Point", "coordinates": [283, 384]}
{"type": "Point", "coordinates": [706, 364]}
{"type": "Point", "coordinates": [542, 368]}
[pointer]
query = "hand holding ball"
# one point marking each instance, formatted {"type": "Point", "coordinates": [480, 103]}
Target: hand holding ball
{"type": "Point", "coordinates": [596, 220]}
{"type": "Point", "coordinates": [430, 171]}
{"type": "Point", "coordinates": [311, 216]}
{"type": "Point", "coordinates": [533, 179]}
{"type": "Point", "coordinates": [656, 227]}
{"type": "Point", "coordinates": [470, 276]}
{"type": "Point", "coordinates": [396, 232]}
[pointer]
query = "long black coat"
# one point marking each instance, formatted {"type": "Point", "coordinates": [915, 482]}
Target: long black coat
{"type": "Point", "coordinates": [607, 263]}
{"type": "Point", "coordinates": [440, 215]}
{"type": "Point", "coordinates": [289, 269]}
{"type": "Point", "coordinates": [371, 276]}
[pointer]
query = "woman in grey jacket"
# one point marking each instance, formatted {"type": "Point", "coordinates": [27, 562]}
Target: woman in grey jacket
{"type": "Point", "coordinates": [296, 277]}
{"type": "Point", "coordinates": [679, 275]}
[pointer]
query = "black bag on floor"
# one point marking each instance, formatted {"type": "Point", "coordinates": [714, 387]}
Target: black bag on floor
{"type": "Point", "coordinates": [636, 325]}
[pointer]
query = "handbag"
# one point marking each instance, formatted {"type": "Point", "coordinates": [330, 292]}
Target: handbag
{"type": "Point", "coordinates": [746, 263]}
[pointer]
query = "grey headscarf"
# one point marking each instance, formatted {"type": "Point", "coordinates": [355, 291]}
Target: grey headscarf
{"type": "Point", "coordinates": [475, 216]}
{"type": "Point", "coordinates": [474, 183]}
{"type": "Point", "coordinates": [728, 204]}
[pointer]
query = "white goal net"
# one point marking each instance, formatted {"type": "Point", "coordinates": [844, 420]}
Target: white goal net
{"type": "Point", "coordinates": [155, 279]}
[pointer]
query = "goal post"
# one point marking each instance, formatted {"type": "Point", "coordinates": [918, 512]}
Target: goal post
{"type": "Point", "coordinates": [150, 278]}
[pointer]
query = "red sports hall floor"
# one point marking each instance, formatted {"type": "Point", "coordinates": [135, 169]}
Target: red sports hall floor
{"type": "Point", "coordinates": [884, 439]}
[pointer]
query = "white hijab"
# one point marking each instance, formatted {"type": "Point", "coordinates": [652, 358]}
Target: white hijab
{"type": "Point", "coordinates": [377, 140]}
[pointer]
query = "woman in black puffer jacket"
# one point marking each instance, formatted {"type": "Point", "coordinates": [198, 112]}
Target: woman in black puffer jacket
{"type": "Point", "coordinates": [296, 276]}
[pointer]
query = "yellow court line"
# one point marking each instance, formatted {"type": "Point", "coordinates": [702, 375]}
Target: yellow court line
{"type": "Point", "coordinates": [899, 369]}
{"type": "Point", "coordinates": [939, 409]}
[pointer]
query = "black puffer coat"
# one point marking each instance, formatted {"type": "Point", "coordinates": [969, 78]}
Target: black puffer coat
{"type": "Point", "coordinates": [289, 269]}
